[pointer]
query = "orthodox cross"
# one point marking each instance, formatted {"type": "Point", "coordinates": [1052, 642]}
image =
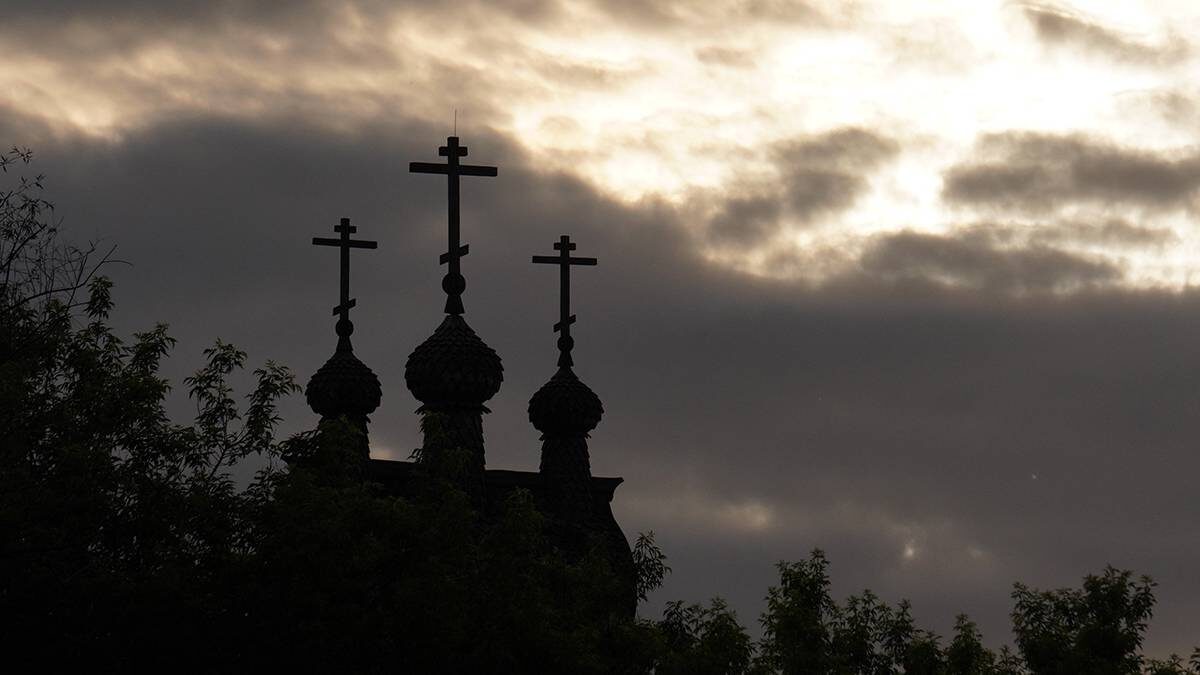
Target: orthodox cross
{"type": "Point", "coordinates": [564, 260]}
{"type": "Point", "coordinates": [453, 283]}
{"type": "Point", "coordinates": [345, 243]}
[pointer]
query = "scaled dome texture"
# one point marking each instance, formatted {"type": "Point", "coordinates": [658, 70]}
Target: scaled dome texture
{"type": "Point", "coordinates": [565, 406]}
{"type": "Point", "coordinates": [343, 386]}
{"type": "Point", "coordinates": [453, 367]}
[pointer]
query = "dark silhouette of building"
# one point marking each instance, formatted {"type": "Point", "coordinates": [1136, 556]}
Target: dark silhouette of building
{"type": "Point", "coordinates": [454, 373]}
{"type": "Point", "coordinates": [345, 386]}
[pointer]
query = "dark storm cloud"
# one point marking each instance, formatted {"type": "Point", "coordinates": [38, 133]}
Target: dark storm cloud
{"type": "Point", "coordinates": [253, 13]}
{"type": "Point", "coordinates": [746, 221]}
{"type": "Point", "coordinates": [976, 262]}
{"type": "Point", "coordinates": [726, 56]}
{"type": "Point", "coordinates": [19, 128]}
{"type": "Point", "coordinates": [1112, 231]}
{"type": "Point", "coordinates": [147, 17]}
{"type": "Point", "coordinates": [304, 31]}
{"type": "Point", "coordinates": [817, 175]}
{"type": "Point", "coordinates": [582, 76]}
{"type": "Point", "coordinates": [789, 10]}
{"type": "Point", "coordinates": [80, 27]}
{"type": "Point", "coordinates": [1028, 171]}
{"type": "Point", "coordinates": [681, 14]}
{"type": "Point", "coordinates": [1115, 232]}
{"type": "Point", "coordinates": [827, 172]}
{"type": "Point", "coordinates": [986, 257]}
{"type": "Point", "coordinates": [856, 416]}
{"type": "Point", "coordinates": [1177, 107]}
{"type": "Point", "coordinates": [1059, 27]}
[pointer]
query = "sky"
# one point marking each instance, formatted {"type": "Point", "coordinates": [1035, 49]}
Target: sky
{"type": "Point", "coordinates": [909, 282]}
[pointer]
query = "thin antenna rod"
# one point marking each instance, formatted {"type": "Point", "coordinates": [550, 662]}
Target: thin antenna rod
{"type": "Point", "coordinates": [456, 121]}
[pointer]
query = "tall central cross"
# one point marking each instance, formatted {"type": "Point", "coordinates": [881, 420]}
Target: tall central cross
{"type": "Point", "coordinates": [564, 260]}
{"type": "Point", "coordinates": [345, 243]}
{"type": "Point", "coordinates": [453, 283]}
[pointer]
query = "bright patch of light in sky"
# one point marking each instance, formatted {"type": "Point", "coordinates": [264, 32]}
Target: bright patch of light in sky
{"type": "Point", "coordinates": [688, 111]}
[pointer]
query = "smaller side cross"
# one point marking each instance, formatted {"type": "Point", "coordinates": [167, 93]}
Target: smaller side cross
{"type": "Point", "coordinates": [564, 260]}
{"type": "Point", "coordinates": [345, 243]}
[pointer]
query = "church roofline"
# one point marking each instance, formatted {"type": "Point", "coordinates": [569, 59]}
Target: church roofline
{"type": "Point", "coordinates": [390, 471]}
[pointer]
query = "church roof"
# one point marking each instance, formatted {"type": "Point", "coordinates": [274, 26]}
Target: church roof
{"type": "Point", "coordinates": [565, 406]}
{"type": "Point", "coordinates": [395, 476]}
{"type": "Point", "coordinates": [343, 386]}
{"type": "Point", "coordinates": [453, 367]}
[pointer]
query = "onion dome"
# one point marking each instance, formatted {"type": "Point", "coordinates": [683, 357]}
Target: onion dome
{"type": "Point", "coordinates": [343, 386]}
{"type": "Point", "coordinates": [565, 406]}
{"type": "Point", "coordinates": [453, 367]}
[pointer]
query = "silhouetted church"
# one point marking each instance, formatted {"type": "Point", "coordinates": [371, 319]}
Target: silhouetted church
{"type": "Point", "coordinates": [454, 373]}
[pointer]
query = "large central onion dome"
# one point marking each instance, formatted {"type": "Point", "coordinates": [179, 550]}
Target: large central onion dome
{"type": "Point", "coordinates": [343, 386]}
{"type": "Point", "coordinates": [453, 367]}
{"type": "Point", "coordinates": [565, 406]}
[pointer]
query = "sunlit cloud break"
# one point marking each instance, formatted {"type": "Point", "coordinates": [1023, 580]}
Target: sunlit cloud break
{"type": "Point", "coordinates": [693, 105]}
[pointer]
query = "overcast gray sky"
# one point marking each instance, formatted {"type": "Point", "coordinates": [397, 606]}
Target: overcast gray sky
{"type": "Point", "coordinates": [911, 284]}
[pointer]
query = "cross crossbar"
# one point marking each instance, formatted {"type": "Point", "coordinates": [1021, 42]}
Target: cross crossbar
{"type": "Point", "coordinates": [350, 243]}
{"type": "Point", "coordinates": [564, 260]}
{"type": "Point", "coordinates": [344, 243]}
{"type": "Point", "coordinates": [463, 169]}
{"type": "Point", "coordinates": [558, 260]}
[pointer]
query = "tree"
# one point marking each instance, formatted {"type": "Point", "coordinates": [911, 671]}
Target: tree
{"type": "Point", "coordinates": [698, 639]}
{"type": "Point", "coordinates": [806, 631]}
{"type": "Point", "coordinates": [650, 565]}
{"type": "Point", "coordinates": [796, 625]}
{"type": "Point", "coordinates": [1174, 665]}
{"type": "Point", "coordinates": [966, 654]}
{"type": "Point", "coordinates": [36, 266]}
{"type": "Point", "coordinates": [1097, 629]}
{"type": "Point", "coordinates": [113, 521]}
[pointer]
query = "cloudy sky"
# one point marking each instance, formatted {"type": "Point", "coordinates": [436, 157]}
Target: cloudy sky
{"type": "Point", "coordinates": [909, 282]}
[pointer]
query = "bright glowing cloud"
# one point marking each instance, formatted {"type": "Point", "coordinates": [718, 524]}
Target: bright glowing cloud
{"type": "Point", "coordinates": [685, 103]}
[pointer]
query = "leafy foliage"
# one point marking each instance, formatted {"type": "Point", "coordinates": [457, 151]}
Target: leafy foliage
{"type": "Point", "coordinates": [806, 631]}
{"type": "Point", "coordinates": [699, 639]}
{"type": "Point", "coordinates": [1096, 629]}
{"type": "Point", "coordinates": [650, 564]}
